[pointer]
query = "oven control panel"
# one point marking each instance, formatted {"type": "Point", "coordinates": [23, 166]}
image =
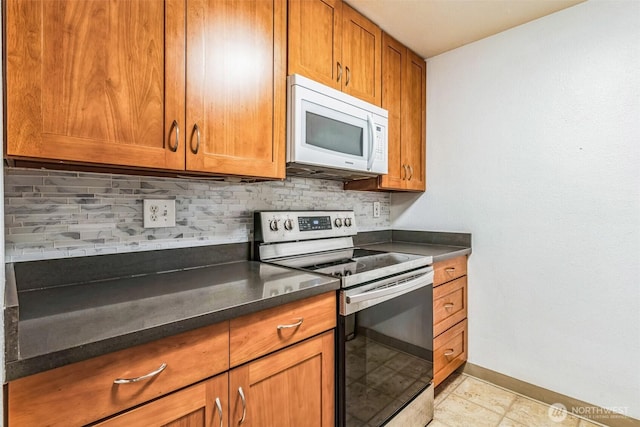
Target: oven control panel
{"type": "Point", "coordinates": [287, 226]}
{"type": "Point", "coordinates": [314, 223]}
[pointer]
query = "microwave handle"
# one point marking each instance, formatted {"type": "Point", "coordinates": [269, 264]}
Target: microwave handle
{"type": "Point", "coordinates": [372, 134]}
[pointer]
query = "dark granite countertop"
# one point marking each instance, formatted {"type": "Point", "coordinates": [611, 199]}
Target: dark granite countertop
{"type": "Point", "coordinates": [55, 326]}
{"type": "Point", "coordinates": [438, 252]}
{"type": "Point", "coordinates": [439, 245]}
{"type": "Point", "coordinates": [63, 311]}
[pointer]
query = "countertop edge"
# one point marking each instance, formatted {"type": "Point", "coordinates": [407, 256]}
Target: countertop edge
{"type": "Point", "coordinates": [452, 254]}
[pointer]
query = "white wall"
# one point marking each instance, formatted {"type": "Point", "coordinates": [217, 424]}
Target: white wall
{"type": "Point", "coordinates": [533, 145]}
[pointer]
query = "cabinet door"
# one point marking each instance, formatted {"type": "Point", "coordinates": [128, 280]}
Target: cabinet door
{"type": "Point", "coordinates": [315, 40]}
{"type": "Point", "coordinates": [361, 53]}
{"type": "Point", "coordinates": [98, 81]}
{"type": "Point", "coordinates": [414, 124]}
{"type": "Point", "coordinates": [394, 57]}
{"type": "Point", "coordinates": [204, 404]}
{"type": "Point", "coordinates": [235, 87]}
{"type": "Point", "coordinates": [291, 388]}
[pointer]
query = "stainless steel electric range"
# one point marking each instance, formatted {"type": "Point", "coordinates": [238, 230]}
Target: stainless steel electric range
{"type": "Point", "coordinates": [384, 342]}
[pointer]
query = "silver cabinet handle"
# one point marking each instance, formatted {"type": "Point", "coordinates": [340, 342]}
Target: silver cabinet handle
{"type": "Point", "coordinates": [219, 406]}
{"type": "Point", "coordinates": [244, 405]}
{"type": "Point", "coordinates": [450, 269]}
{"type": "Point", "coordinates": [175, 126]}
{"type": "Point", "coordinates": [339, 71]}
{"type": "Point", "coordinates": [348, 76]}
{"type": "Point", "coordinates": [141, 378]}
{"type": "Point", "coordinates": [292, 325]}
{"type": "Point", "coordinates": [196, 130]}
{"type": "Point", "coordinates": [448, 352]}
{"type": "Point", "coordinates": [449, 305]}
{"type": "Point", "coordinates": [410, 171]}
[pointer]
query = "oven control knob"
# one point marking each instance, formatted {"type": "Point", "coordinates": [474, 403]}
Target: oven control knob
{"type": "Point", "coordinates": [273, 225]}
{"type": "Point", "coordinates": [338, 222]}
{"type": "Point", "coordinates": [288, 224]}
{"type": "Point", "coordinates": [347, 222]}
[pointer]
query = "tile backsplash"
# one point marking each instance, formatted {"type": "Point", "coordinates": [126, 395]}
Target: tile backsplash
{"type": "Point", "coordinates": [52, 214]}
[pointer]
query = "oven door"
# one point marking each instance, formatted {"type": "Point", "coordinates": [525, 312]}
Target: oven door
{"type": "Point", "coordinates": [385, 348]}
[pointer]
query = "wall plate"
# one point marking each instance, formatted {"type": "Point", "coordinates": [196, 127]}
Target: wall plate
{"type": "Point", "coordinates": [159, 213]}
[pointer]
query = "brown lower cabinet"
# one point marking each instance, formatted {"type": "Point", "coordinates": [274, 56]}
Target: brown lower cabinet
{"type": "Point", "coordinates": [449, 317]}
{"type": "Point", "coordinates": [293, 387]}
{"type": "Point", "coordinates": [289, 383]}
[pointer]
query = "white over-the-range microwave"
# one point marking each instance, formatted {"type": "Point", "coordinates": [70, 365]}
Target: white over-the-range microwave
{"type": "Point", "coordinates": [333, 135]}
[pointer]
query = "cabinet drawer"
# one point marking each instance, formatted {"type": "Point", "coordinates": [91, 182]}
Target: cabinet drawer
{"type": "Point", "coordinates": [450, 269]}
{"type": "Point", "coordinates": [84, 392]}
{"type": "Point", "coordinates": [450, 351]}
{"type": "Point", "coordinates": [449, 305]}
{"type": "Point", "coordinates": [187, 407]}
{"type": "Point", "coordinates": [260, 333]}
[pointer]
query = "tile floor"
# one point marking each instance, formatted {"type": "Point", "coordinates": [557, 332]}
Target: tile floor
{"type": "Point", "coordinates": [465, 401]}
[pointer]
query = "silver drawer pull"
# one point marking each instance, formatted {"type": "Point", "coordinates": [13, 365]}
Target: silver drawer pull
{"type": "Point", "coordinates": [449, 305]}
{"type": "Point", "coordinates": [143, 377]}
{"type": "Point", "coordinates": [219, 406]}
{"type": "Point", "coordinates": [293, 325]}
{"type": "Point", "coordinates": [448, 352]}
{"type": "Point", "coordinates": [450, 269]}
{"type": "Point", "coordinates": [244, 405]}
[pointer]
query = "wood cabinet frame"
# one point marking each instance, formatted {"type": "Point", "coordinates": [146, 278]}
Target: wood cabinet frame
{"type": "Point", "coordinates": [404, 96]}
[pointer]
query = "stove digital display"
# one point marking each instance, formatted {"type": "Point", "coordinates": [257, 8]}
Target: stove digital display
{"type": "Point", "coordinates": [312, 223]}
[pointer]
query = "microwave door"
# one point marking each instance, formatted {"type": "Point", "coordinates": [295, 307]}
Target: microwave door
{"type": "Point", "coordinates": [332, 134]}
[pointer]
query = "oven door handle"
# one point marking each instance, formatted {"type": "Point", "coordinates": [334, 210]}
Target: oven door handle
{"type": "Point", "coordinates": [396, 290]}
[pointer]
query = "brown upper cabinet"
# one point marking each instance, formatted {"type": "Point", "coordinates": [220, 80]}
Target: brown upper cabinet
{"type": "Point", "coordinates": [404, 96]}
{"type": "Point", "coordinates": [332, 43]}
{"type": "Point", "coordinates": [148, 84]}
{"type": "Point", "coordinates": [236, 90]}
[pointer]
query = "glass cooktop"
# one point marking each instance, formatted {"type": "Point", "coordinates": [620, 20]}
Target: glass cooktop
{"type": "Point", "coordinates": [362, 260]}
{"type": "Point", "coordinates": [361, 264]}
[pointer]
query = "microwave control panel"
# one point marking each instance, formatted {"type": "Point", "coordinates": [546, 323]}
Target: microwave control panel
{"type": "Point", "coordinates": [380, 147]}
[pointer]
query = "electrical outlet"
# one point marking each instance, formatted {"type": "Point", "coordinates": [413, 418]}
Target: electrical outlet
{"type": "Point", "coordinates": [159, 213]}
{"type": "Point", "coordinates": [376, 209]}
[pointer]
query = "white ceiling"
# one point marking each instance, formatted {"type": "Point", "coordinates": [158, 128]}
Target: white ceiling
{"type": "Point", "coordinates": [430, 27]}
